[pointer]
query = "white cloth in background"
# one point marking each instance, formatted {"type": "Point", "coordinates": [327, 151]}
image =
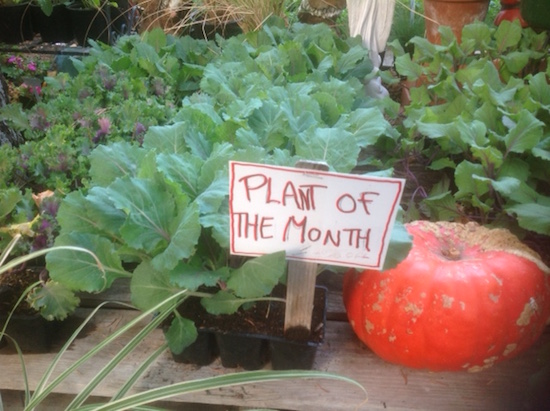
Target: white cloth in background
{"type": "Point", "coordinates": [372, 20]}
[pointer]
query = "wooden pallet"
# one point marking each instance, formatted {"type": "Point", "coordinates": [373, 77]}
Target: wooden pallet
{"type": "Point", "coordinates": [506, 386]}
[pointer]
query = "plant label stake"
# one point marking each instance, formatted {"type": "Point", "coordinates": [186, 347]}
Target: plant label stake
{"type": "Point", "coordinates": [300, 289]}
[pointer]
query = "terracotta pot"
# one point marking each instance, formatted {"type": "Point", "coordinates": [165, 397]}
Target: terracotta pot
{"type": "Point", "coordinates": [510, 11]}
{"type": "Point", "coordinates": [453, 13]}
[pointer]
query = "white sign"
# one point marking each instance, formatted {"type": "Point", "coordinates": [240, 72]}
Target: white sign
{"type": "Point", "coordinates": [315, 216]}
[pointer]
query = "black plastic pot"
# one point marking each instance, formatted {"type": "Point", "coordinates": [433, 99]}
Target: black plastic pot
{"type": "Point", "coordinates": [33, 333]}
{"type": "Point", "coordinates": [252, 350]}
{"type": "Point", "coordinates": [55, 28]}
{"type": "Point", "coordinates": [209, 30]}
{"type": "Point", "coordinates": [247, 351]}
{"type": "Point", "coordinates": [202, 352]}
{"type": "Point", "coordinates": [124, 17]}
{"type": "Point", "coordinates": [288, 355]}
{"type": "Point", "coordinates": [94, 24]}
{"type": "Point", "coordinates": [15, 24]}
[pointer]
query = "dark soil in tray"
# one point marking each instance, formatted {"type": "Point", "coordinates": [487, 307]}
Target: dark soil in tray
{"type": "Point", "coordinates": [262, 318]}
{"type": "Point", "coordinates": [12, 286]}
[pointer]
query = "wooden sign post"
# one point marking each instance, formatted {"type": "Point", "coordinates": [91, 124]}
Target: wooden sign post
{"type": "Point", "coordinates": [315, 216]}
{"type": "Point", "coordinates": [300, 287]}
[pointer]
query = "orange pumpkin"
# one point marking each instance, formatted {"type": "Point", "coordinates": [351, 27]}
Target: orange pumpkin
{"type": "Point", "coordinates": [465, 298]}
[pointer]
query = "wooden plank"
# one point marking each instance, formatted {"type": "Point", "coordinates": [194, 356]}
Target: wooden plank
{"type": "Point", "coordinates": [505, 386]}
{"type": "Point", "coordinates": [119, 292]}
{"type": "Point", "coordinates": [15, 401]}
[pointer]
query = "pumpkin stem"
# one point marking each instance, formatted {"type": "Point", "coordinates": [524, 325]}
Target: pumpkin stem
{"type": "Point", "coordinates": [451, 253]}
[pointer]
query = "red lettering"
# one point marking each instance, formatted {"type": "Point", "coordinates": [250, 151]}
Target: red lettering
{"type": "Point", "coordinates": [355, 238]}
{"type": "Point", "coordinates": [292, 223]}
{"type": "Point", "coordinates": [350, 208]}
{"type": "Point", "coordinates": [329, 237]}
{"type": "Point", "coordinates": [290, 192]}
{"type": "Point", "coordinates": [264, 225]}
{"type": "Point", "coordinates": [365, 201]}
{"type": "Point", "coordinates": [263, 182]}
{"type": "Point", "coordinates": [252, 226]}
{"type": "Point", "coordinates": [307, 197]}
{"type": "Point", "coordinates": [314, 234]}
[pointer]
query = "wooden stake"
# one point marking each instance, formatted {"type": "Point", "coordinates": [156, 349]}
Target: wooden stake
{"type": "Point", "coordinates": [301, 285]}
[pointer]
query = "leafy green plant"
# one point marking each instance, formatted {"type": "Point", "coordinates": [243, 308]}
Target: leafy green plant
{"type": "Point", "coordinates": [31, 216]}
{"type": "Point", "coordinates": [479, 115]}
{"type": "Point", "coordinates": [118, 94]}
{"type": "Point", "coordinates": [494, 8]}
{"type": "Point", "coordinates": [27, 230]}
{"type": "Point", "coordinates": [50, 296]}
{"type": "Point", "coordinates": [159, 211]}
{"type": "Point", "coordinates": [408, 22]}
{"type": "Point", "coordinates": [24, 75]}
{"type": "Point", "coordinates": [123, 90]}
{"type": "Point", "coordinates": [47, 384]}
{"type": "Point", "coordinates": [47, 5]}
{"type": "Point", "coordinates": [40, 290]}
{"type": "Point", "coordinates": [95, 4]}
{"type": "Point", "coordinates": [159, 214]}
{"type": "Point", "coordinates": [155, 208]}
{"type": "Point", "coordinates": [10, 2]}
{"type": "Point", "coordinates": [50, 293]}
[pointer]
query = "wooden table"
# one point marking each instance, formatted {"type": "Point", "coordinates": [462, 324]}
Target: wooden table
{"type": "Point", "coordinates": [506, 386]}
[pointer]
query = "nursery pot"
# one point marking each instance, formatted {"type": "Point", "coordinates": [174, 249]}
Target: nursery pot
{"type": "Point", "coordinates": [87, 23]}
{"type": "Point", "coordinates": [453, 13]}
{"type": "Point", "coordinates": [201, 352]}
{"type": "Point", "coordinates": [32, 332]}
{"type": "Point", "coordinates": [123, 17]}
{"type": "Point", "coordinates": [250, 339]}
{"type": "Point", "coordinates": [56, 27]}
{"type": "Point", "coordinates": [15, 23]}
{"type": "Point", "coordinates": [204, 29]}
{"type": "Point", "coordinates": [237, 349]}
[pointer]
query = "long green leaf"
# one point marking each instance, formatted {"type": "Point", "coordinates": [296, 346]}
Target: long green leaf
{"type": "Point", "coordinates": [139, 372]}
{"type": "Point", "coordinates": [31, 256]}
{"type": "Point", "coordinates": [44, 388]}
{"type": "Point", "coordinates": [120, 356]}
{"type": "Point", "coordinates": [210, 383]}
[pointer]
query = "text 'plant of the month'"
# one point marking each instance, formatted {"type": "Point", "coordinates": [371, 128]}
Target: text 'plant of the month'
{"type": "Point", "coordinates": [315, 216]}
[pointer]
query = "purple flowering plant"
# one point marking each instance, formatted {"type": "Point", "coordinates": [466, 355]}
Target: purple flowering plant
{"type": "Point", "coordinates": [24, 74]}
{"type": "Point", "coordinates": [32, 216]}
